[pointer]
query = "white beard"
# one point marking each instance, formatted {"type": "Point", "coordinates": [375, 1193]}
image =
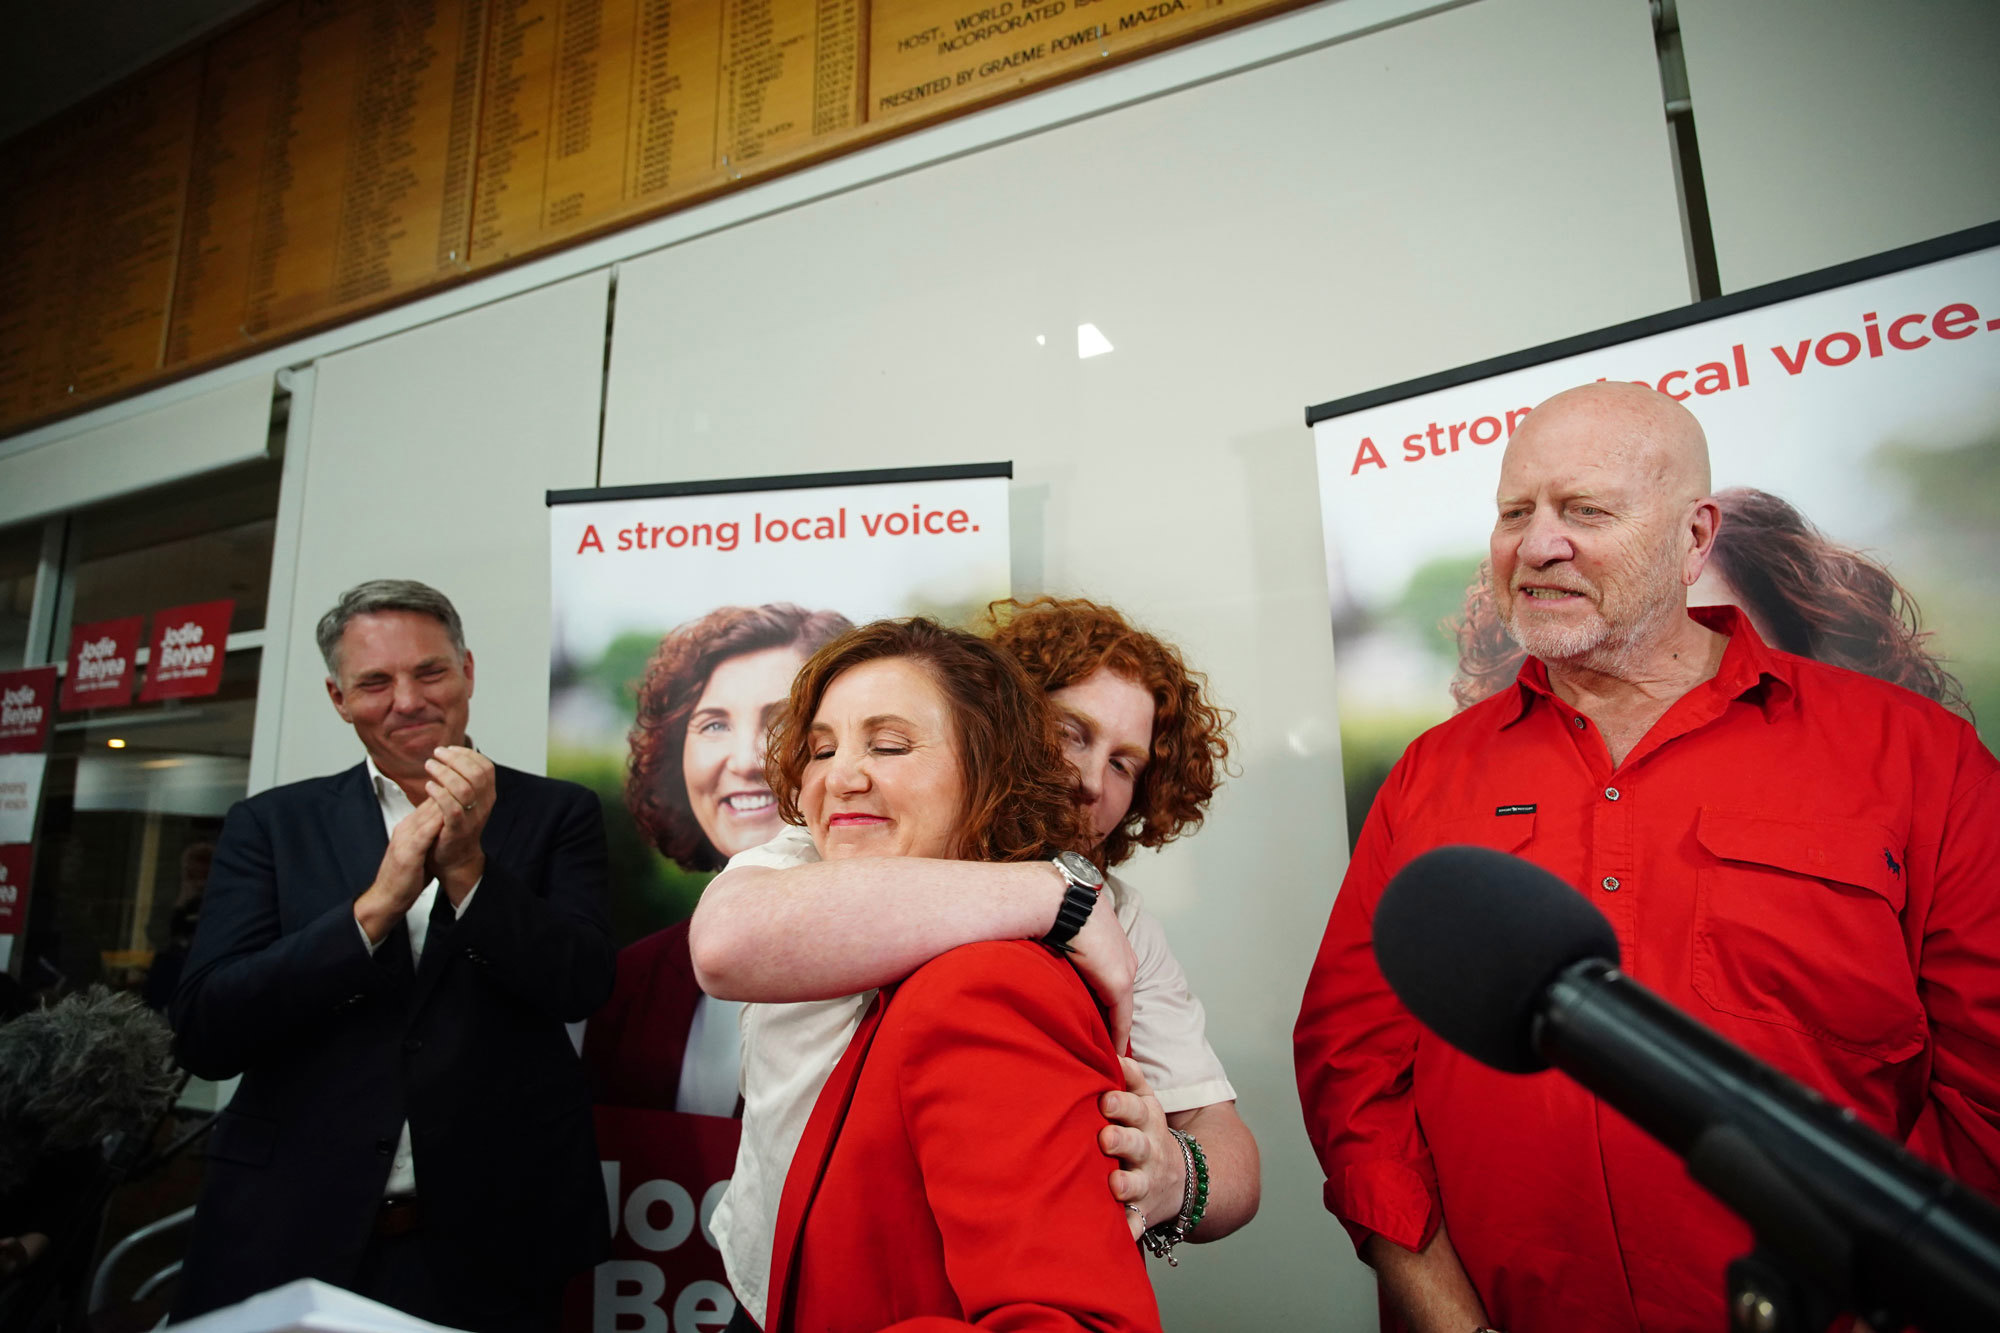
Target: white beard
{"type": "Point", "coordinates": [1557, 643]}
{"type": "Point", "coordinates": [1601, 645]}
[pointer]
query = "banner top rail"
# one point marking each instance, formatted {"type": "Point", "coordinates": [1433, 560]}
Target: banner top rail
{"type": "Point", "coordinates": [1949, 246]}
{"type": "Point", "coordinates": [799, 481]}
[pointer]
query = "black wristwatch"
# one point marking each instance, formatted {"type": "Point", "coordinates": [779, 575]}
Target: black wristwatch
{"type": "Point", "coordinates": [1084, 881]}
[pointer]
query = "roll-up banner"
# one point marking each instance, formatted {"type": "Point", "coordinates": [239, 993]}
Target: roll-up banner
{"type": "Point", "coordinates": [680, 614]}
{"type": "Point", "coordinates": [1853, 422]}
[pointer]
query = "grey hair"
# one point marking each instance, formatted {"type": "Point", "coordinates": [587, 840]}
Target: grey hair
{"type": "Point", "coordinates": [366, 599]}
{"type": "Point", "coordinates": [91, 1065]}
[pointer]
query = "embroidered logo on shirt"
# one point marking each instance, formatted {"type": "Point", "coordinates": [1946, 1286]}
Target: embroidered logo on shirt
{"type": "Point", "coordinates": [1513, 809]}
{"type": "Point", "coordinates": [1894, 868]}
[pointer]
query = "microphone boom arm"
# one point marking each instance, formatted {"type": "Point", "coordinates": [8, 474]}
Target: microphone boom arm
{"type": "Point", "coordinates": [1887, 1235]}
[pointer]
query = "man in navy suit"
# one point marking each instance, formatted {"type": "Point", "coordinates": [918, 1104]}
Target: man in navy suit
{"type": "Point", "coordinates": [388, 956]}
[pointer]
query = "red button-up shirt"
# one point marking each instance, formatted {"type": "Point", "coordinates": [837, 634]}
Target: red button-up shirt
{"type": "Point", "coordinates": [1801, 857]}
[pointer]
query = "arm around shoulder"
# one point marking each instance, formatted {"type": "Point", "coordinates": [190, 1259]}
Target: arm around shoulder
{"type": "Point", "coordinates": [830, 928]}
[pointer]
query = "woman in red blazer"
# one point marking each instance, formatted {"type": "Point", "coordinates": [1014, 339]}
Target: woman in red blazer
{"type": "Point", "coordinates": [949, 1176]}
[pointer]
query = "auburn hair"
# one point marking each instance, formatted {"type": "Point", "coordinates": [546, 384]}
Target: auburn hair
{"type": "Point", "coordinates": [655, 785]}
{"type": "Point", "coordinates": [1817, 599]}
{"type": "Point", "coordinates": [1020, 790]}
{"type": "Point", "coordinates": [1061, 641]}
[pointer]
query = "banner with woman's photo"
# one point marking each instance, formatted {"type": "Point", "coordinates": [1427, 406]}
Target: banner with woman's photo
{"type": "Point", "coordinates": [680, 615]}
{"type": "Point", "coordinates": [1853, 421]}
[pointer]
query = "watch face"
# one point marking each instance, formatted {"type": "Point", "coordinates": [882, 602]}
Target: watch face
{"type": "Point", "coordinates": [1079, 868]}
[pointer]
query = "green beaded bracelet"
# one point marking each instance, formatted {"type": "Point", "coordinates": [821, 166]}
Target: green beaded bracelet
{"type": "Point", "coordinates": [1200, 1203]}
{"type": "Point", "coordinates": [1160, 1240]}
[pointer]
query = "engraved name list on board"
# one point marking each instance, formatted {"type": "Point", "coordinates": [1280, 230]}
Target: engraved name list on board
{"type": "Point", "coordinates": [332, 166]}
{"type": "Point", "coordinates": [589, 104]}
{"type": "Point", "coordinates": [88, 230]}
{"type": "Point", "coordinates": [600, 110]}
{"type": "Point", "coordinates": [320, 159]}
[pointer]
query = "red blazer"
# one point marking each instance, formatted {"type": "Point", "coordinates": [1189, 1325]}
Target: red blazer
{"type": "Point", "coordinates": [950, 1175]}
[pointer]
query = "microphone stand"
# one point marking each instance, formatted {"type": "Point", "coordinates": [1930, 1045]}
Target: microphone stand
{"type": "Point", "coordinates": [1797, 1278]}
{"type": "Point", "coordinates": [1886, 1237]}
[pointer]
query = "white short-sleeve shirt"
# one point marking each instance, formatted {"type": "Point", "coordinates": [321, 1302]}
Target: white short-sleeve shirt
{"type": "Point", "coordinates": [789, 1051]}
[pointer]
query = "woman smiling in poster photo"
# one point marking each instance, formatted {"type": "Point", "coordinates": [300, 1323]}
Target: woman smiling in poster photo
{"type": "Point", "coordinates": [695, 787]}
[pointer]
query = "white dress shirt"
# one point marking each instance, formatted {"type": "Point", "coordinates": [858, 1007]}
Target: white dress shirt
{"type": "Point", "coordinates": [396, 807]}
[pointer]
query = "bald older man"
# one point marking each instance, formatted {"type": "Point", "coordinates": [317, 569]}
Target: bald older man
{"type": "Point", "coordinates": [1804, 858]}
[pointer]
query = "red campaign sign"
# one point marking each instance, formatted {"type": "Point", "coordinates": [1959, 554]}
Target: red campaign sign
{"type": "Point", "coordinates": [27, 706]}
{"type": "Point", "coordinates": [101, 664]}
{"type": "Point", "coordinates": [663, 1173]}
{"type": "Point", "coordinates": [17, 861]}
{"type": "Point", "coordinates": [189, 643]}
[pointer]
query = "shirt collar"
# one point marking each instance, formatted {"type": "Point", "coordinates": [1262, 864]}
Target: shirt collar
{"type": "Point", "coordinates": [381, 783]}
{"type": "Point", "coordinates": [1749, 667]}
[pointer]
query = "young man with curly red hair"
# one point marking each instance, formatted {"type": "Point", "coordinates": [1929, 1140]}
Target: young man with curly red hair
{"type": "Point", "coordinates": [1148, 747]}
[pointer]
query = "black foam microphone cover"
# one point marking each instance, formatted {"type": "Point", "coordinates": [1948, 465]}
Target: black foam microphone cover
{"type": "Point", "coordinates": [1470, 940]}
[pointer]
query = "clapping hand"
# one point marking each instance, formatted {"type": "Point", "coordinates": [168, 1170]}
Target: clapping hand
{"type": "Point", "coordinates": [461, 791]}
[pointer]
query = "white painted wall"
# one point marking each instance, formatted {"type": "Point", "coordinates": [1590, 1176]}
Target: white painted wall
{"type": "Point", "coordinates": [1834, 129]}
{"type": "Point", "coordinates": [1478, 181]}
{"type": "Point", "coordinates": [426, 456]}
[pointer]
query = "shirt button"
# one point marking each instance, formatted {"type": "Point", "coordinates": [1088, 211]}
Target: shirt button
{"type": "Point", "coordinates": [1610, 793]}
{"type": "Point", "coordinates": [1611, 884]}
{"type": "Point", "coordinates": [1581, 724]}
{"type": "Point", "coordinates": [385, 1146]}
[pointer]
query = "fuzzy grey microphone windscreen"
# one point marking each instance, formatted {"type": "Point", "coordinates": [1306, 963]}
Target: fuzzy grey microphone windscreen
{"type": "Point", "coordinates": [85, 1067]}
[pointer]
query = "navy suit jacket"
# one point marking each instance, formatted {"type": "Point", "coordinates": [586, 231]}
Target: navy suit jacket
{"type": "Point", "coordinates": [337, 1048]}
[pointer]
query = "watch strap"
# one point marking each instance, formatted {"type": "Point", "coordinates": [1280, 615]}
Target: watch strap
{"type": "Point", "coordinates": [1079, 900]}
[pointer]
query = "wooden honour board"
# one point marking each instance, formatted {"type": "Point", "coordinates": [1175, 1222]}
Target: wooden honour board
{"type": "Point", "coordinates": [324, 158]}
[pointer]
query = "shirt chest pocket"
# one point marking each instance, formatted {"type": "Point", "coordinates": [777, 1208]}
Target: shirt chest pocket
{"type": "Point", "coordinates": [1798, 924]}
{"type": "Point", "coordinates": [1500, 833]}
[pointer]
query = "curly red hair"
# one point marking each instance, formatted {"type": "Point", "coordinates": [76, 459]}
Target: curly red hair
{"type": "Point", "coordinates": [655, 790]}
{"type": "Point", "coordinates": [1817, 599]}
{"type": "Point", "coordinates": [1020, 791]}
{"type": "Point", "coordinates": [1061, 641]}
